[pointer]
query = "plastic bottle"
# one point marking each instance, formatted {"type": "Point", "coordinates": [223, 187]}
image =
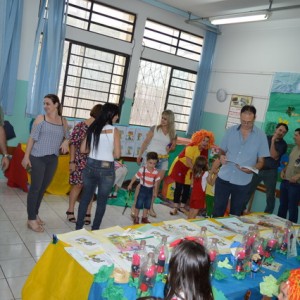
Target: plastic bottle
{"type": "Point", "coordinates": [148, 274]}
{"type": "Point", "coordinates": [272, 243]}
{"type": "Point", "coordinates": [202, 238]}
{"type": "Point", "coordinates": [138, 258]}
{"type": "Point", "coordinates": [286, 236]}
{"type": "Point", "coordinates": [161, 255]}
{"type": "Point", "coordinates": [213, 253]}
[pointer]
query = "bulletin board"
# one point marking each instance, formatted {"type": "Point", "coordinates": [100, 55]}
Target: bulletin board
{"type": "Point", "coordinates": [236, 104]}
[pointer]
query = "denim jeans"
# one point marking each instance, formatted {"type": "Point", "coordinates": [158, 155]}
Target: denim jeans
{"type": "Point", "coordinates": [224, 190]}
{"type": "Point", "coordinates": [144, 197]}
{"type": "Point", "coordinates": [289, 199]}
{"type": "Point", "coordinates": [269, 177]}
{"type": "Point", "coordinates": [42, 172]}
{"type": "Point", "coordinates": [99, 174]}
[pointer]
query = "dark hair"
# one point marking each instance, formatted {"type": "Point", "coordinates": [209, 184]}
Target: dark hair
{"type": "Point", "coordinates": [297, 130]}
{"type": "Point", "coordinates": [96, 110]}
{"type": "Point", "coordinates": [108, 112]}
{"type": "Point", "coordinates": [189, 272]}
{"type": "Point", "coordinates": [200, 165]}
{"type": "Point", "coordinates": [284, 125]}
{"type": "Point", "coordinates": [54, 98]}
{"type": "Point", "coordinates": [249, 108]}
{"type": "Point", "coordinates": [152, 155]}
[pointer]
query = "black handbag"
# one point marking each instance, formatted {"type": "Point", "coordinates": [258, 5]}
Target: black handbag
{"type": "Point", "coordinates": [9, 130]}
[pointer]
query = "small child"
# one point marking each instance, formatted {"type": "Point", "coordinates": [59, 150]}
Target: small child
{"type": "Point", "coordinates": [210, 187]}
{"type": "Point", "coordinates": [149, 178]}
{"type": "Point", "coordinates": [189, 273]}
{"type": "Point", "coordinates": [199, 177]}
{"type": "Point", "coordinates": [120, 172]}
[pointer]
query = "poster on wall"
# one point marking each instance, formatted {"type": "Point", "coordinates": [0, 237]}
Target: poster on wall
{"type": "Point", "coordinates": [131, 139]}
{"type": "Point", "coordinates": [284, 104]}
{"type": "Point", "coordinates": [236, 104]}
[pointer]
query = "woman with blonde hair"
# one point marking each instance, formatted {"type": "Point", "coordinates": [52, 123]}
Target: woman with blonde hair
{"type": "Point", "coordinates": [160, 139]}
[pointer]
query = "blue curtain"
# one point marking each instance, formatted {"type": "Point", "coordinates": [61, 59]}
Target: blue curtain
{"type": "Point", "coordinates": [11, 12]}
{"type": "Point", "coordinates": [202, 82]}
{"type": "Point", "coordinates": [47, 56]}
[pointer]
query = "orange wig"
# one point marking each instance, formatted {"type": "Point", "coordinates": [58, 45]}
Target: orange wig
{"type": "Point", "coordinates": [199, 136]}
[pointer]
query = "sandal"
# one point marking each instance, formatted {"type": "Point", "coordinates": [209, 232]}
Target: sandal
{"type": "Point", "coordinates": [70, 216]}
{"type": "Point", "coordinates": [87, 219]}
{"type": "Point", "coordinates": [152, 214]}
{"type": "Point", "coordinates": [182, 209]}
{"type": "Point", "coordinates": [174, 212]}
{"type": "Point", "coordinates": [35, 227]}
{"type": "Point", "coordinates": [40, 221]}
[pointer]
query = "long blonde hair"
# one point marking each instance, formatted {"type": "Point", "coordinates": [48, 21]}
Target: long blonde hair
{"type": "Point", "coordinates": [171, 123]}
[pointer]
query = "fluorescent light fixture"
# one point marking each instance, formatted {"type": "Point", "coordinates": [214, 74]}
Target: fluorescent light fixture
{"type": "Point", "coordinates": [240, 18]}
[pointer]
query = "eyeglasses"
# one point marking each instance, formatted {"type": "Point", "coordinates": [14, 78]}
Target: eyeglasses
{"type": "Point", "coordinates": [247, 122]}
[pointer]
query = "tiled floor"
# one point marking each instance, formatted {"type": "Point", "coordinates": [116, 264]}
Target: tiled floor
{"type": "Point", "coordinates": [20, 247]}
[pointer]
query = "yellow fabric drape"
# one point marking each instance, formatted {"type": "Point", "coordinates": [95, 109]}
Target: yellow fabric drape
{"type": "Point", "coordinates": [48, 281]}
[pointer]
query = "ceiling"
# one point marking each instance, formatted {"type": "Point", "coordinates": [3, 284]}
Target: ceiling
{"type": "Point", "coordinates": [213, 8]}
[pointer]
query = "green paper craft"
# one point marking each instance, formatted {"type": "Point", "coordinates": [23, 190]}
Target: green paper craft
{"type": "Point", "coordinates": [133, 282]}
{"type": "Point", "coordinates": [219, 275]}
{"type": "Point", "coordinates": [283, 277]}
{"type": "Point", "coordinates": [104, 273]}
{"type": "Point", "coordinates": [269, 286]}
{"type": "Point", "coordinates": [218, 295]}
{"type": "Point", "coordinates": [113, 292]}
{"type": "Point", "coordinates": [239, 275]}
{"type": "Point", "coordinates": [225, 264]}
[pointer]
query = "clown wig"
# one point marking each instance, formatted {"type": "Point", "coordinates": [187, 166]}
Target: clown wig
{"type": "Point", "coordinates": [200, 135]}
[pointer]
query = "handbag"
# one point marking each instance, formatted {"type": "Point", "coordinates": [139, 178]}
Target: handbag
{"type": "Point", "coordinates": [9, 130]}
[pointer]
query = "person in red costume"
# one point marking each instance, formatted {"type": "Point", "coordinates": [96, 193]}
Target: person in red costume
{"type": "Point", "coordinates": [181, 169]}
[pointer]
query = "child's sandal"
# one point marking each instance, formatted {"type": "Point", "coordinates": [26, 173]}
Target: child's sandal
{"type": "Point", "coordinates": [174, 212]}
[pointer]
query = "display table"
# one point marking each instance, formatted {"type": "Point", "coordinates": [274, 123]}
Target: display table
{"type": "Point", "coordinates": [18, 177]}
{"type": "Point", "coordinates": [57, 275]}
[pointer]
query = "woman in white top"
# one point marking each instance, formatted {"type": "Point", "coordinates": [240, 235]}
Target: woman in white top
{"type": "Point", "coordinates": [160, 139]}
{"type": "Point", "coordinates": [102, 142]}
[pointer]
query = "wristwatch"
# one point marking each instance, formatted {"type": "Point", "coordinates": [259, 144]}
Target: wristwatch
{"type": "Point", "coordinates": [6, 155]}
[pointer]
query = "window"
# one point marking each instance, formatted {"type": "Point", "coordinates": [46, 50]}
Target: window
{"type": "Point", "coordinates": [90, 76]}
{"type": "Point", "coordinates": [102, 19]}
{"type": "Point", "coordinates": [161, 87]}
{"type": "Point", "coordinates": [171, 40]}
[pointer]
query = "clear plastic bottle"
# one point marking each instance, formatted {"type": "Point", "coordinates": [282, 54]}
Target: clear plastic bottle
{"type": "Point", "coordinates": [148, 274]}
{"type": "Point", "coordinates": [286, 236]}
{"type": "Point", "coordinates": [202, 238]}
{"type": "Point", "coordinates": [213, 253]}
{"type": "Point", "coordinates": [272, 243]}
{"type": "Point", "coordinates": [138, 258]}
{"type": "Point", "coordinates": [162, 255]}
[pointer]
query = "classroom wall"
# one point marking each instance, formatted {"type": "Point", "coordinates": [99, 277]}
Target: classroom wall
{"type": "Point", "coordinates": [245, 60]}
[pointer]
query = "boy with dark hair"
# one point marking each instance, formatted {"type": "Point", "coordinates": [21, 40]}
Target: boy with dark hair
{"type": "Point", "coordinates": [149, 178]}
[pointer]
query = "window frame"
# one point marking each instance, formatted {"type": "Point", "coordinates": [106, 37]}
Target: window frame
{"type": "Point", "coordinates": [123, 86]}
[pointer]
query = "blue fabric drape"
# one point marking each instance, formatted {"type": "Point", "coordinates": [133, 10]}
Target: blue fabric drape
{"type": "Point", "coordinates": [47, 56]}
{"type": "Point", "coordinates": [11, 12]}
{"type": "Point", "coordinates": [202, 82]}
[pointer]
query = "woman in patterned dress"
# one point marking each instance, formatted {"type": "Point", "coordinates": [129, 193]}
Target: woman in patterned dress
{"type": "Point", "coordinates": [78, 162]}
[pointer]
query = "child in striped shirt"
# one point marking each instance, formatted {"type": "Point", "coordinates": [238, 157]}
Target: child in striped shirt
{"type": "Point", "coordinates": [149, 178]}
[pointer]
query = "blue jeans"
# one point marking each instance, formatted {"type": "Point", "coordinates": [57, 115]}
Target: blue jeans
{"type": "Point", "coordinates": [289, 199]}
{"type": "Point", "coordinates": [237, 194]}
{"type": "Point", "coordinates": [42, 172]}
{"type": "Point", "coordinates": [101, 174]}
{"type": "Point", "coordinates": [144, 197]}
{"type": "Point", "coordinates": [269, 177]}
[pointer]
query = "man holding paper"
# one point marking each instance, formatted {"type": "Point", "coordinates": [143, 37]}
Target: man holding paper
{"type": "Point", "coordinates": [268, 174]}
{"type": "Point", "coordinates": [243, 146]}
